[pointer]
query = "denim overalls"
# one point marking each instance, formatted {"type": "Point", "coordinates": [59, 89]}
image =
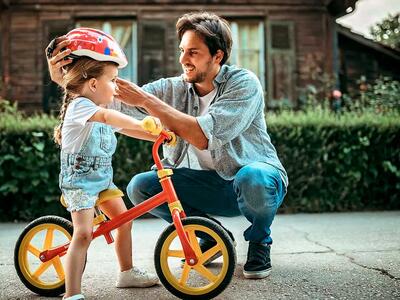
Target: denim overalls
{"type": "Point", "coordinates": [85, 174]}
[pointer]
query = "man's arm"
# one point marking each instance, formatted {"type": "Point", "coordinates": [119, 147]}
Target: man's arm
{"type": "Point", "coordinates": [183, 125]}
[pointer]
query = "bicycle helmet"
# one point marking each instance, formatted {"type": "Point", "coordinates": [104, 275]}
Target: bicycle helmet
{"type": "Point", "coordinates": [95, 44]}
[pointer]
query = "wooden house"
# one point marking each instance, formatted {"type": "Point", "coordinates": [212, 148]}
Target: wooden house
{"type": "Point", "coordinates": [360, 57]}
{"type": "Point", "coordinates": [284, 42]}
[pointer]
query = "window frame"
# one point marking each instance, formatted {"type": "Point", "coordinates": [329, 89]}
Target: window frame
{"type": "Point", "coordinates": [133, 58]}
{"type": "Point", "coordinates": [291, 53]}
{"type": "Point", "coordinates": [261, 36]}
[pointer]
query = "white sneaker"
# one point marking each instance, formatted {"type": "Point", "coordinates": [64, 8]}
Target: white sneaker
{"type": "Point", "coordinates": [74, 297]}
{"type": "Point", "coordinates": [136, 278]}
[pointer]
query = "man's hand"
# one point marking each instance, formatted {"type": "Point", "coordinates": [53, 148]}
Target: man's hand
{"type": "Point", "coordinates": [182, 124]}
{"type": "Point", "coordinates": [55, 58]}
{"type": "Point", "coordinates": [130, 93]}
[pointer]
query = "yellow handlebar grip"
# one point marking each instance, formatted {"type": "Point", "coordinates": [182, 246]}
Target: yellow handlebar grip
{"type": "Point", "coordinates": [150, 125]}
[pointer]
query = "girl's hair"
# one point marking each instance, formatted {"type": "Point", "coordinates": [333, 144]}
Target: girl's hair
{"type": "Point", "coordinates": [76, 74]}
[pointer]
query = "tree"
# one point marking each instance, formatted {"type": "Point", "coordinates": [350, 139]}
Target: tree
{"type": "Point", "coordinates": [388, 31]}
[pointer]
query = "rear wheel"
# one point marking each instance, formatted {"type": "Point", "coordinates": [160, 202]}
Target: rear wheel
{"type": "Point", "coordinates": [43, 278]}
{"type": "Point", "coordinates": [198, 281]}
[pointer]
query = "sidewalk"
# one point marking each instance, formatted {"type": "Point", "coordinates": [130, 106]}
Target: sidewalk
{"type": "Point", "coordinates": [314, 256]}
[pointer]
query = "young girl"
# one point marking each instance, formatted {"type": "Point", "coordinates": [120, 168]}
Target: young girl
{"type": "Point", "coordinates": [86, 136]}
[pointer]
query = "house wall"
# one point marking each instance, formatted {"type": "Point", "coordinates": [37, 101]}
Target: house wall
{"type": "Point", "coordinates": [28, 26]}
{"type": "Point", "coordinates": [358, 60]}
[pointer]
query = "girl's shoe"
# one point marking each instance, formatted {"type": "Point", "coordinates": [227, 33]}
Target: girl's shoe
{"type": "Point", "coordinates": [75, 297]}
{"type": "Point", "coordinates": [135, 278]}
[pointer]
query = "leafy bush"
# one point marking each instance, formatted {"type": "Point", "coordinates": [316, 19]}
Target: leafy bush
{"type": "Point", "coordinates": [381, 97]}
{"type": "Point", "coordinates": [339, 163]}
{"type": "Point", "coordinates": [29, 165]}
{"type": "Point", "coordinates": [334, 162]}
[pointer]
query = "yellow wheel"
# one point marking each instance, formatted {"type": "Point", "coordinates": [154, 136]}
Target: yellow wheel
{"type": "Point", "coordinates": [202, 280]}
{"type": "Point", "coordinates": [46, 279]}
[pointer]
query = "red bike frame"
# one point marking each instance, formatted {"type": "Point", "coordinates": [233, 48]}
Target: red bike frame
{"type": "Point", "coordinates": [167, 195]}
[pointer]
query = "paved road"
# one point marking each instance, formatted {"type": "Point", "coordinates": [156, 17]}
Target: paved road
{"type": "Point", "coordinates": [315, 256]}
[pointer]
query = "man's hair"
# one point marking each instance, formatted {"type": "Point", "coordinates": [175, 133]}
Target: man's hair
{"type": "Point", "coordinates": [213, 29]}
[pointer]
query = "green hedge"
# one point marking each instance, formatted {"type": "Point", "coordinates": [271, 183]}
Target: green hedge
{"type": "Point", "coordinates": [341, 163]}
{"type": "Point", "coordinates": [334, 163]}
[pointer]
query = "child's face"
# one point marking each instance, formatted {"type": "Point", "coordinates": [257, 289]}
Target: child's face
{"type": "Point", "coordinates": [106, 86]}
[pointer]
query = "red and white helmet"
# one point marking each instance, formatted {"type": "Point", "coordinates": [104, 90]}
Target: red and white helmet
{"type": "Point", "coordinates": [95, 44]}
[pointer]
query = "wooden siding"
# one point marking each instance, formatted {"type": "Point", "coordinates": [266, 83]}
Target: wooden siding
{"type": "Point", "coordinates": [30, 25]}
{"type": "Point", "coordinates": [357, 59]}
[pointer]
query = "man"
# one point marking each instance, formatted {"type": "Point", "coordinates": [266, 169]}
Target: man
{"type": "Point", "coordinates": [224, 162]}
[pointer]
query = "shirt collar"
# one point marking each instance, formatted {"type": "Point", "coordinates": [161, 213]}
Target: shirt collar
{"type": "Point", "coordinates": [220, 78]}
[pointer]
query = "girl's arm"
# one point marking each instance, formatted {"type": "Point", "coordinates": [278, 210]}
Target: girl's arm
{"type": "Point", "coordinates": [116, 119]}
{"type": "Point", "coordinates": [129, 126]}
{"type": "Point", "coordinates": [138, 134]}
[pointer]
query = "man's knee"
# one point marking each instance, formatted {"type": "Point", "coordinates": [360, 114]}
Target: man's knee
{"type": "Point", "coordinates": [257, 185]}
{"type": "Point", "coordinates": [256, 175]}
{"type": "Point", "coordinates": [140, 187]}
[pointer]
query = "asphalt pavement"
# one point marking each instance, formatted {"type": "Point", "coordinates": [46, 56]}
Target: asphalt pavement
{"type": "Point", "coordinates": [314, 256]}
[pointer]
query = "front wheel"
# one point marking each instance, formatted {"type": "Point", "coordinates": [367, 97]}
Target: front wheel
{"type": "Point", "coordinates": [203, 280]}
{"type": "Point", "coordinates": [43, 278]}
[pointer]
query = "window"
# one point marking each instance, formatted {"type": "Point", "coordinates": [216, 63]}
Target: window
{"type": "Point", "coordinates": [280, 63]}
{"type": "Point", "coordinates": [125, 32]}
{"type": "Point", "coordinates": [153, 48]}
{"type": "Point", "coordinates": [248, 46]}
{"type": "Point", "coordinates": [158, 47]}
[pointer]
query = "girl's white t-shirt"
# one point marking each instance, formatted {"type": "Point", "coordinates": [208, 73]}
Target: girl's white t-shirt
{"type": "Point", "coordinates": [76, 128]}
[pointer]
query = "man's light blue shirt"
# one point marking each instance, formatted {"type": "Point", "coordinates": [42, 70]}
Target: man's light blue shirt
{"type": "Point", "coordinates": [234, 124]}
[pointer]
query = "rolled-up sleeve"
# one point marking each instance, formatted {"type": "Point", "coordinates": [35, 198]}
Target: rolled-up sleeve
{"type": "Point", "coordinates": [233, 111]}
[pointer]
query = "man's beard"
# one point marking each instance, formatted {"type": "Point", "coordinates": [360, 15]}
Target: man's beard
{"type": "Point", "coordinates": [199, 77]}
{"type": "Point", "coordinates": [196, 79]}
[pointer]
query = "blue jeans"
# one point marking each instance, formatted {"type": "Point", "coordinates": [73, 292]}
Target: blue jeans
{"type": "Point", "coordinates": [256, 192]}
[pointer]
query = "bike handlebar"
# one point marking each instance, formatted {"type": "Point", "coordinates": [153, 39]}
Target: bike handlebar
{"type": "Point", "coordinates": [153, 127]}
{"type": "Point", "coordinates": [150, 125]}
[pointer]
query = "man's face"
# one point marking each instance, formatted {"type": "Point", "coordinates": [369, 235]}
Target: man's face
{"type": "Point", "coordinates": [197, 63]}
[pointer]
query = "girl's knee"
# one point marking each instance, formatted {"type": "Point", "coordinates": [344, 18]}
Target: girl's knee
{"type": "Point", "coordinates": [83, 236]}
{"type": "Point", "coordinates": [125, 228]}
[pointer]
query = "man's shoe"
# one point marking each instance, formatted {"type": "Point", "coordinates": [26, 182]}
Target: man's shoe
{"type": "Point", "coordinates": [258, 264]}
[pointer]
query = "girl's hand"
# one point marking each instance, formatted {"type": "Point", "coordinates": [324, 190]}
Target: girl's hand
{"type": "Point", "coordinates": [152, 125]}
{"type": "Point", "coordinates": [130, 93]}
{"type": "Point", "coordinates": [56, 58]}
